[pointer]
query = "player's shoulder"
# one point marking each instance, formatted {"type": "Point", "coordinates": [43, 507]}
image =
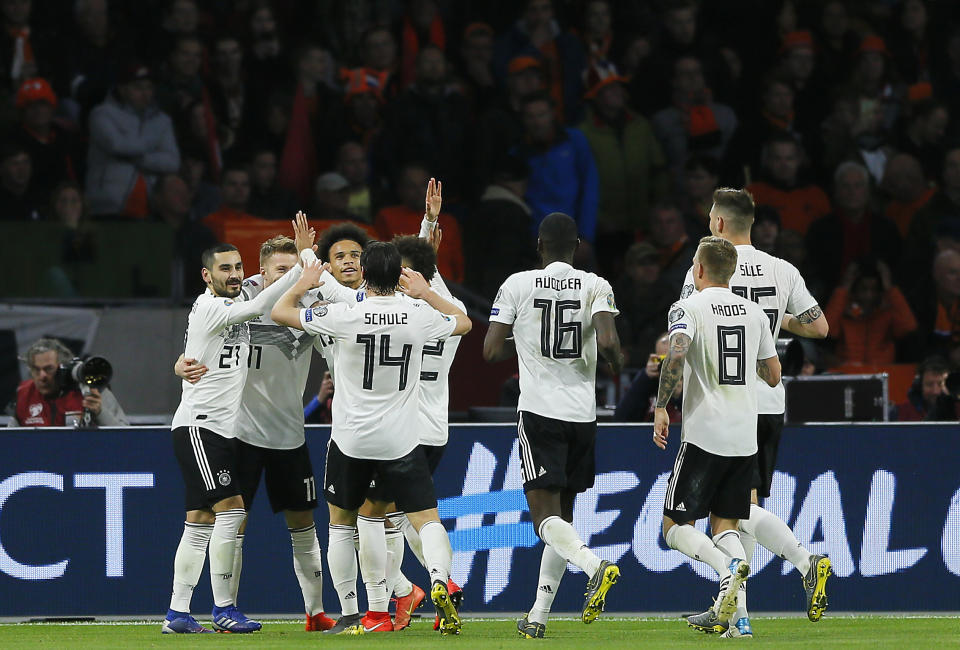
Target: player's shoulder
{"type": "Point", "coordinates": [780, 266]}
{"type": "Point", "coordinates": [251, 286]}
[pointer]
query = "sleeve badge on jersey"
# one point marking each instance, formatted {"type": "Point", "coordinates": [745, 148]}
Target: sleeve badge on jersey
{"type": "Point", "coordinates": [686, 291]}
{"type": "Point", "coordinates": [676, 314]}
{"type": "Point", "coordinates": [320, 311]}
{"type": "Point", "coordinates": [495, 311]}
{"type": "Point", "coordinates": [307, 315]}
{"type": "Point", "coordinates": [610, 302]}
{"type": "Point", "coordinates": [227, 302]}
{"type": "Point", "coordinates": [360, 296]}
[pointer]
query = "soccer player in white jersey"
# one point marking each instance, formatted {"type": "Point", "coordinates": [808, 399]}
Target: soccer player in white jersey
{"type": "Point", "coordinates": [378, 347]}
{"type": "Point", "coordinates": [204, 432]}
{"type": "Point", "coordinates": [719, 343]}
{"type": "Point", "coordinates": [270, 437]}
{"type": "Point", "coordinates": [779, 289]}
{"type": "Point", "coordinates": [558, 317]}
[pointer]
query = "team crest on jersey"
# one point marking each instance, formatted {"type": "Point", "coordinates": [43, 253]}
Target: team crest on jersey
{"type": "Point", "coordinates": [610, 301]}
{"type": "Point", "coordinates": [686, 291]}
{"type": "Point", "coordinates": [35, 410]}
{"type": "Point", "coordinates": [676, 314]}
{"type": "Point", "coordinates": [223, 476]}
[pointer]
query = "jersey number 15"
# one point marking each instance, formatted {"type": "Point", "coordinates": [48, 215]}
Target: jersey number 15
{"type": "Point", "coordinates": [554, 347]}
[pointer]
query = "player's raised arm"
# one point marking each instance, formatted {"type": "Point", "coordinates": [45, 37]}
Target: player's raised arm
{"type": "Point", "coordinates": [811, 324]}
{"type": "Point", "coordinates": [413, 284]}
{"type": "Point", "coordinates": [286, 311]}
{"type": "Point", "coordinates": [671, 372]}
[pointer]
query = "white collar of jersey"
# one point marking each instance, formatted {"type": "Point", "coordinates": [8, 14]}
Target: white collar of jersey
{"type": "Point", "coordinates": [557, 264]}
{"type": "Point", "coordinates": [744, 246]}
{"type": "Point", "coordinates": [715, 289]}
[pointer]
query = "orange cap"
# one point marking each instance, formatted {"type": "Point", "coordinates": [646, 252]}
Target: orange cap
{"type": "Point", "coordinates": [600, 74]}
{"type": "Point", "coordinates": [873, 44]}
{"type": "Point", "coordinates": [521, 63]}
{"type": "Point", "coordinates": [919, 91]}
{"type": "Point", "coordinates": [796, 39]}
{"type": "Point", "coordinates": [35, 90]}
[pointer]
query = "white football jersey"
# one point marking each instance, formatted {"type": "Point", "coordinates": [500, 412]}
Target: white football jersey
{"type": "Point", "coordinates": [278, 362]}
{"type": "Point", "coordinates": [552, 311]}
{"type": "Point", "coordinates": [218, 336]}
{"type": "Point", "coordinates": [378, 351]}
{"type": "Point", "coordinates": [777, 286]}
{"type": "Point", "coordinates": [728, 335]}
{"type": "Point", "coordinates": [438, 357]}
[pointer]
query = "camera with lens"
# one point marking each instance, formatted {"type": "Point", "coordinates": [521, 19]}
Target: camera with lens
{"type": "Point", "coordinates": [84, 374]}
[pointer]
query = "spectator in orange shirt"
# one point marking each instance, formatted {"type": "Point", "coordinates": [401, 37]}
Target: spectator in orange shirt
{"type": "Point", "coordinates": [903, 182]}
{"type": "Point", "coordinates": [404, 219]}
{"type": "Point", "coordinates": [868, 313]}
{"type": "Point", "coordinates": [782, 187]}
{"type": "Point", "coordinates": [235, 194]}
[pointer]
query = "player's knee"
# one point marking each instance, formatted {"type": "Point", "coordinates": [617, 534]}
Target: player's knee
{"type": "Point", "coordinates": [299, 518]}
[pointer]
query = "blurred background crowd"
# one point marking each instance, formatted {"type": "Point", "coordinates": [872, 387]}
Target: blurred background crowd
{"type": "Point", "coordinates": [174, 124]}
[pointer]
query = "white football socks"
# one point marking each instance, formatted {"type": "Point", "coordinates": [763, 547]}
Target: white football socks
{"type": "Point", "coordinates": [552, 567]}
{"type": "Point", "coordinates": [397, 583]}
{"type": "Point", "coordinates": [729, 542]}
{"type": "Point", "coordinates": [223, 542]}
{"type": "Point", "coordinates": [749, 548]}
{"type": "Point", "coordinates": [237, 567]}
{"type": "Point", "coordinates": [373, 562]}
{"type": "Point", "coordinates": [774, 535]}
{"type": "Point", "coordinates": [564, 539]}
{"type": "Point", "coordinates": [188, 563]}
{"type": "Point", "coordinates": [400, 520]}
{"type": "Point", "coordinates": [342, 560]}
{"type": "Point", "coordinates": [692, 543]}
{"type": "Point", "coordinates": [308, 566]}
{"type": "Point", "coordinates": [436, 551]}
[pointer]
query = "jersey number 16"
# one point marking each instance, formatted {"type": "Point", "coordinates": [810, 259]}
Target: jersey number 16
{"type": "Point", "coordinates": [554, 347]}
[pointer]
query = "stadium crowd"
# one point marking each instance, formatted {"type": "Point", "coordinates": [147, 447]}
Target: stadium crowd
{"type": "Point", "coordinates": [840, 116]}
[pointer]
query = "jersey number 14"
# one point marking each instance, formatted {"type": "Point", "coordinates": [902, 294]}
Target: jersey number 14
{"type": "Point", "coordinates": [553, 346]}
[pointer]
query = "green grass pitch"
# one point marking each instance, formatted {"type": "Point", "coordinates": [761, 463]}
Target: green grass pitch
{"type": "Point", "coordinates": [610, 632]}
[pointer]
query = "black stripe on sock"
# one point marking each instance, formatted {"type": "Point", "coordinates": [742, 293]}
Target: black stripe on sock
{"type": "Point", "coordinates": [302, 530]}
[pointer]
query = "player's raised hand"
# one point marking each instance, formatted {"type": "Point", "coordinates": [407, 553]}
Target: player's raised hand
{"type": "Point", "coordinates": [310, 279]}
{"type": "Point", "coordinates": [434, 199]}
{"type": "Point", "coordinates": [190, 370]}
{"type": "Point", "coordinates": [413, 284]}
{"type": "Point", "coordinates": [434, 238]}
{"type": "Point", "coordinates": [661, 427]}
{"type": "Point", "coordinates": [303, 233]}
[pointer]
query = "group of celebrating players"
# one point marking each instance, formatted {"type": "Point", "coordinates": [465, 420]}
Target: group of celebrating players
{"type": "Point", "coordinates": [388, 329]}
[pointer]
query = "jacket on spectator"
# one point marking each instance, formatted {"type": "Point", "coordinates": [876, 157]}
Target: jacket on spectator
{"type": "Point", "coordinates": [869, 340]}
{"type": "Point", "coordinates": [638, 403]}
{"type": "Point", "coordinates": [401, 220]}
{"type": "Point", "coordinates": [124, 145]}
{"type": "Point", "coordinates": [826, 241]}
{"type": "Point", "coordinates": [798, 206]}
{"type": "Point", "coordinates": [631, 167]}
{"type": "Point", "coordinates": [35, 410]}
{"type": "Point", "coordinates": [564, 179]}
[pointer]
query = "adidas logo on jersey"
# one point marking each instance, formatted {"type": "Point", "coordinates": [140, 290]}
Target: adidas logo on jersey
{"type": "Point", "coordinates": [681, 507]}
{"type": "Point", "coordinates": [331, 490]}
{"type": "Point", "coordinates": [541, 472]}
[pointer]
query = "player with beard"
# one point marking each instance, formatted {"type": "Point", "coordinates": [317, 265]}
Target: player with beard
{"type": "Point", "coordinates": [204, 434]}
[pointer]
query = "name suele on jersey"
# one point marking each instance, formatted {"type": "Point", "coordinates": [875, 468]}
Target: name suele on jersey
{"type": "Point", "coordinates": [777, 286]}
{"type": "Point", "coordinates": [551, 311]}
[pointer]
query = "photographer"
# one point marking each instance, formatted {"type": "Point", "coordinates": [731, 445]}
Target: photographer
{"type": "Point", "coordinates": [638, 402]}
{"type": "Point", "coordinates": [42, 401]}
{"type": "Point", "coordinates": [929, 399]}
